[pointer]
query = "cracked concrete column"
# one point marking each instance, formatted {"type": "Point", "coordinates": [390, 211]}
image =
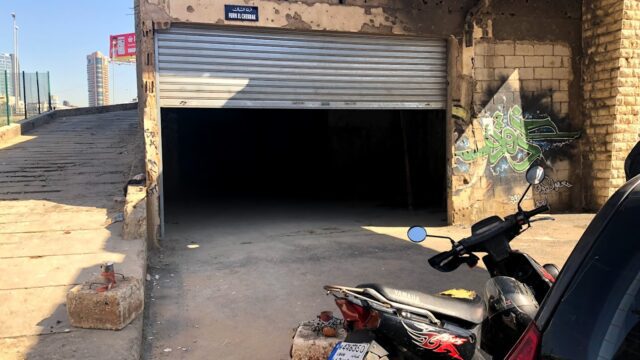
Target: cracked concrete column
{"type": "Point", "coordinates": [148, 18]}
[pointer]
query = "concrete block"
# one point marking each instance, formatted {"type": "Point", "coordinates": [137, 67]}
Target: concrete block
{"type": "Point", "coordinates": [495, 61]}
{"type": "Point", "coordinates": [549, 84]}
{"type": "Point", "coordinates": [484, 74]}
{"type": "Point", "coordinates": [110, 310]}
{"type": "Point", "coordinates": [544, 73]}
{"type": "Point", "coordinates": [135, 213]}
{"type": "Point", "coordinates": [513, 61]}
{"type": "Point", "coordinates": [9, 132]}
{"type": "Point", "coordinates": [525, 73]}
{"type": "Point", "coordinates": [503, 73]}
{"type": "Point", "coordinates": [524, 49]}
{"type": "Point", "coordinates": [505, 48]}
{"type": "Point", "coordinates": [531, 85]}
{"type": "Point", "coordinates": [309, 345]}
{"type": "Point", "coordinates": [562, 50]}
{"type": "Point", "coordinates": [560, 96]}
{"type": "Point", "coordinates": [561, 73]}
{"type": "Point", "coordinates": [552, 61]}
{"type": "Point", "coordinates": [534, 61]}
{"type": "Point", "coordinates": [483, 48]}
{"type": "Point", "coordinates": [543, 49]}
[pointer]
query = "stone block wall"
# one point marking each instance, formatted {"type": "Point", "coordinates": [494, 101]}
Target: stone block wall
{"type": "Point", "coordinates": [611, 89]}
{"type": "Point", "coordinates": [541, 68]}
{"type": "Point", "coordinates": [519, 117]}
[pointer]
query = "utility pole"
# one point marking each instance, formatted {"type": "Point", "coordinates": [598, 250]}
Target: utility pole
{"type": "Point", "coordinates": [38, 91]}
{"type": "Point", "coordinates": [113, 72]}
{"type": "Point", "coordinates": [113, 83]}
{"type": "Point", "coordinates": [16, 69]}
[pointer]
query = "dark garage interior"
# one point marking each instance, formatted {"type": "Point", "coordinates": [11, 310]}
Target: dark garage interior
{"type": "Point", "coordinates": [342, 155]}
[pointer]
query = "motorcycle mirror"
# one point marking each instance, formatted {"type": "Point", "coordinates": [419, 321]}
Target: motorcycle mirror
{"type": "Point", "coordinates": [417, 234]}
{"type": "Point", "coordinates": [535, 175]}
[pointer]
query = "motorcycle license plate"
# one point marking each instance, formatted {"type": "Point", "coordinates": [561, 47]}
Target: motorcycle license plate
{"type": "Point", "coordinates": [349, 351]}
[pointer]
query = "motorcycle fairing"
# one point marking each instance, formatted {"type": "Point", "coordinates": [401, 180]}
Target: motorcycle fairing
{"type": "Point", "coordinates": [430, 341]}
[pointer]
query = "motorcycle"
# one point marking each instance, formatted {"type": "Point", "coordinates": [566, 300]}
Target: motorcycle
{"type": "Point", "coordinates": [384, 322]}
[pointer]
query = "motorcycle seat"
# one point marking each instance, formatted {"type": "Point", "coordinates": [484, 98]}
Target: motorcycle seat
{"type": "Point", "coordinates": [469, 310]}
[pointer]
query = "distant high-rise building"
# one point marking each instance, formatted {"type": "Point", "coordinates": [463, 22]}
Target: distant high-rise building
{"type": "Point", "coordinates": [98, 79]}
{"type": "Point", "coordinates": [6, 63]}
{"type": "Point", "coordinates": [55, 101]}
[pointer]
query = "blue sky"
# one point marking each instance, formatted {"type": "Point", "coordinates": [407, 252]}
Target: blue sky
{"type": "Point", "coordinates": [58, 35]}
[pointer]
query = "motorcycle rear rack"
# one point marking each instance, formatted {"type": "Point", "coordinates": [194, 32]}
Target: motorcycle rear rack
{"type": "Point", "coordinates": [380, 301]}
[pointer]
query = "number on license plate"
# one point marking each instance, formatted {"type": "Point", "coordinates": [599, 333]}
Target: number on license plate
{"type": "Point", "coordinates": [349, 351]}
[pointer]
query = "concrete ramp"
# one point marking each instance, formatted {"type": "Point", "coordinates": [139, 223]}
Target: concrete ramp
{"type": "Point", "coordinates": [61, 186]}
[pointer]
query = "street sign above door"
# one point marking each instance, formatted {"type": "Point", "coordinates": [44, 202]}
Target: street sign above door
{"type": "Point", "coordinates": [240, 13]}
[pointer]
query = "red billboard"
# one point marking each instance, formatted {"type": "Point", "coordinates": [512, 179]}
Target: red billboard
{"type": "Point", "coordinates": [122, 48]}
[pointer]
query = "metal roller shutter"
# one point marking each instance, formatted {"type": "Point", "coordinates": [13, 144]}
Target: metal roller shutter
{"type": "Point", "coordinates": [213, 67]}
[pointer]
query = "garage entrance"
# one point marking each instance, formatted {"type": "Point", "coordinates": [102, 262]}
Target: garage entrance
{"type": "Point", "coordinates": [274, 113]}
{"type": "Point", "coordinates": [389, 157]}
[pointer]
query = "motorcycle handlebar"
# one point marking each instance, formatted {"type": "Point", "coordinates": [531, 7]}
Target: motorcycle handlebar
{"type": "Point", "coordinates": [506, 226]}
{"type": "Point", "coordinates": [536, 211]}
{"type": "Point", "coordinates": [438, 259]}
{"type": "Point", "coordinates": [493, 231]}
{"type": "Point", "coordinates": [445, 261]}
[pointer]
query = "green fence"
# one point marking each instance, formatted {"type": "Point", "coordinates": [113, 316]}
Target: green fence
{"type": "Point", "coordinates": [23, 95]}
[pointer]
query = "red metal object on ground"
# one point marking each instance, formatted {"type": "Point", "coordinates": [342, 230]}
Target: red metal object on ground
{"type": "Point", "coordinates": [109, 274]}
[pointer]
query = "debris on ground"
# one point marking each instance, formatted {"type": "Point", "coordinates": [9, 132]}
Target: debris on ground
{"type": "Point", "coordinates": [119, 217]}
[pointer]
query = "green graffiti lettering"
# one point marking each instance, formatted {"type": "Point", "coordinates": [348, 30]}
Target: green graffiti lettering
{"type": "Point", "coordinates": [512, 139]}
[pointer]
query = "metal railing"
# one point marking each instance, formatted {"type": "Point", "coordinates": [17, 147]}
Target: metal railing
{"type": "Point", "coordinates": [23, 95]}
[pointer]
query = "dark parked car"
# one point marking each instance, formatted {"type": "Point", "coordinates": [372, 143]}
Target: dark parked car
{"type": "Point", "coordinates": [593, 310]}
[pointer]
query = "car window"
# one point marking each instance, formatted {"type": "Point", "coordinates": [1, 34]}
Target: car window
{"type": "Point", "coordinates": [599, 315]}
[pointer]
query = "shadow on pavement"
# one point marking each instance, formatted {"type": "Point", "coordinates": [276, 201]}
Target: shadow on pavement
{"type": "Point", "coordinates": [57, 203]}
{"type": "Point", "coordinates": [234, 280]}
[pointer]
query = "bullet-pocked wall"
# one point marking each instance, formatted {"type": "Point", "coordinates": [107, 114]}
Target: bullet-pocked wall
{"type": "Point", "coordinates": [513, 85]}
{"type": "Point", "coordinates": [426, 19]}
{"type": "Point", "coordinates": [522, 108]}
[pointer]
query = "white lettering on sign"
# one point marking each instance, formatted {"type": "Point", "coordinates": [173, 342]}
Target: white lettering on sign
{"type": "Point", "coordinates": [242, 16]}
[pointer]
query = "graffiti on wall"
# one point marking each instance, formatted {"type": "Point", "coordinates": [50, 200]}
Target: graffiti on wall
{"type": "Point", "coordinates": [513, 141]}
{"type": "Point", "coordinates": [549, 185]}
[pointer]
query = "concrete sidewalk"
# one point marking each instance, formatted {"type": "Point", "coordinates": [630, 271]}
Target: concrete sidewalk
{"type": "Point", "coordinates": [233, 279]}
{"type": "Point", "coordinates": [58, 190]}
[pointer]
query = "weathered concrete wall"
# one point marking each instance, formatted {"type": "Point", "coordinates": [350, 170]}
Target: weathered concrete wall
{"type": "Point", "coordinates": [400, 17]}
{"type": "Point", "coordinates": [413, 17]}
{"type": "Point", "coordinates": [523, 108]}
{"type": "Point", "coordinates": [611, 80]}
{"type": "Point", "coordinates": [504, 57]}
